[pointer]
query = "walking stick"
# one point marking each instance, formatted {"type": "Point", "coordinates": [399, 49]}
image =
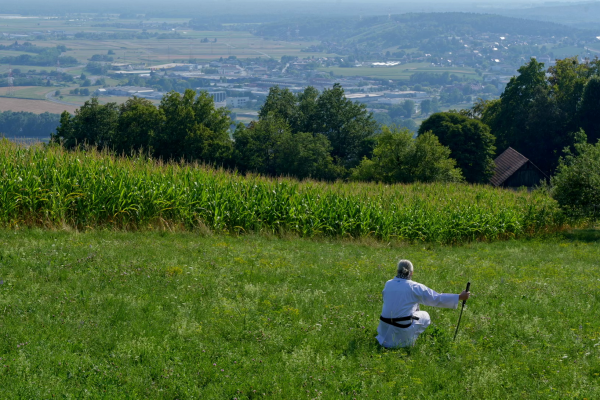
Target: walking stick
{"type": "Point", "coordinates": [461, 310]}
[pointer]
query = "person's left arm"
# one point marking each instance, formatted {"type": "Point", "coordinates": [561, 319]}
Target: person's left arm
{"type": "Point", "coordinates": [430, 297]}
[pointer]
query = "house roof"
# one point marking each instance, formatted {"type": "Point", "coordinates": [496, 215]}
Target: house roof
{"type": "Point", "coordinates": [507, 164]}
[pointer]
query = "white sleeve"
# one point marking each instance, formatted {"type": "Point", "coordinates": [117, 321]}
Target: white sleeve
{"type": "Point", "coordinates": [430, 297]}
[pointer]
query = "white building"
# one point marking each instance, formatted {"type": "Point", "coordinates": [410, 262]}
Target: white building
{"type": "Point", "coordinates": [218, 96]}
{"type": "Point", "coordinates": [126, 91]}
{"type": "Point", "coordinates": [237, 102]}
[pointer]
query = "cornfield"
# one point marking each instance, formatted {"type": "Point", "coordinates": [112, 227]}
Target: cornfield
{"type": "Point", "coordinates": [50, 187]}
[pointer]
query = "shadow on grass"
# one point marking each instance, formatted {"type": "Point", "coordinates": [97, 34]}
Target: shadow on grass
{"type": "Point", "coordinates": [583, 235]}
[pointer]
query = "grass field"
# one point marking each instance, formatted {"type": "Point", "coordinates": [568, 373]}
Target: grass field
{"type": "Point", "coordinates": [27, 92]}
{"type": "Point", "coordinates": [102, 99]}
{"type": "Point", "coordinates": [180, 316]}
{"type": "Point", "coordinates": [35, 106]}
{"type": "Point", "coordinates": [24, 68]}
{"type": "Point", "coordinates": [157, 51]}
{"type": "Point", "coordinates": [562, 52]}
{"type": "Point", "coordinates": [48, 186]}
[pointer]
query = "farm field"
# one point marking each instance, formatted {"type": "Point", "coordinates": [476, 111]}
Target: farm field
{"type": "Point", "coordinates": [155, 51]}
{"type": "Point", "coordinates": [4, 67]}
{"type": "Point", "coordinates": [27, 92]}
{"type": "Point", "coordinates": [34, 106]}
{"type": "Point", "coordinates": [80, 100]}
{"type": "Point", "coordinates": [51, 187]}
{"type": "Point", "coordinates": [180, 315]}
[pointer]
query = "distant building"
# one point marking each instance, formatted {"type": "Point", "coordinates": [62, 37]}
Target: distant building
{"type": "Point", "coordinates": [127, 91]}
{"type": "Point", "coordinates": [256, 70]}
{"type": "Point", "coordinates": [363, 98]}
{"type": "Point", "coordinates": [237, 102]}
{"type": "Point", "coordinates": [218, 96]}
{"type": "Point", "coordinates": [226, 69]}
{"type": "Point", "coordinates": [406, 94]}
{"type": "Point", "coordinates": [514, 170]}
{"type": "Point", "coordinates": [174, 67]}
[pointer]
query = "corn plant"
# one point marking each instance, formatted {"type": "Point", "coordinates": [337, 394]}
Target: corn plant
{"type": "Point", "coordinates": [48, 186]}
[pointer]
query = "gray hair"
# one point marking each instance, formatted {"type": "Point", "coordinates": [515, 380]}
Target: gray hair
{"type": "Point", "coordinates": [405, 268]}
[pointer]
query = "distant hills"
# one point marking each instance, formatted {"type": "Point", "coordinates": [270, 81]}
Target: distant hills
{"type": "Point", "coordinates": [396, 29]}
{"type": "Point", "coordinates": [579, 15]}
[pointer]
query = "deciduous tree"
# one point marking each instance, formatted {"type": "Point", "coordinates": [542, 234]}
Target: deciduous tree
{"type": "Point", "coordinates": [93, 124]}
{"type": "Point", "coordinates": [400, 158]}
{"type": "Point", "coordinates": [470, 142]}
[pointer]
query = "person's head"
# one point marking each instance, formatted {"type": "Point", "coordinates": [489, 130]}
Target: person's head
{"type": "Point", "coordinates": [404, 270]}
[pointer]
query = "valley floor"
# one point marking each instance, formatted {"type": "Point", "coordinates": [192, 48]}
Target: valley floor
{"type": "Point", "coordinates": [150, 315]}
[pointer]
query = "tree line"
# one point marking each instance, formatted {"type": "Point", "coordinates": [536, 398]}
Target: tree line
{"type": "Point", "coordinates": [542, 114]}
{"type": "Point", "coordinates": [44, 56]}
{"type": "Point", "coordinates": [541, 110]}
{"type": "Point", "coordinates": [323, 135]}
{"type": "Point", "coordinates": [28, 125]}
{"type": "Point", "coordinates": [310, 134]}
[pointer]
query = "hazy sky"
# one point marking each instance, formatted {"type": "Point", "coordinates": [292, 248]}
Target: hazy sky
{"type": "Point", "coordinates": [279, 8]}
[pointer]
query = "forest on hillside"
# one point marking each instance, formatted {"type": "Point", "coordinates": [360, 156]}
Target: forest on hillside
{"type": "Point", "coordinates": [393, 29]}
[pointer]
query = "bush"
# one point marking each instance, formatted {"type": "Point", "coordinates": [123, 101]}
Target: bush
{"type": "Point", "coordinates": [576, 184]}
{"type": "Point", "coordinates": [398, 157]}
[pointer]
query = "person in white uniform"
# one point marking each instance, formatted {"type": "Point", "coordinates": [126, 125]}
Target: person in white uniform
{"type": "Point", "coordinates": [401, 321]}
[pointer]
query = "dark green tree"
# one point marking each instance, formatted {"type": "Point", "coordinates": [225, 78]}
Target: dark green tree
{"type": "Point", "coordinates": [589, 109]}
{"type": "Point", "coordinates": [510, 121]}
{"type": "Point", "coordinates": [409, 108]}
{"type": "Point", "coordinates": [348, 126]}
{"type": "Point", "coordinates": [567, 79]}
{"type": "Point", "coordinates": [304, 155]}
{"type": "Point", "coordinates": [139, 119]}
{"type": "Point", "coordinates": [93, 124]}
{"type": "Point", "coordinates": [470, 142]}
{"type": "Point", "coordinates": [306, 111]}
{"type": "Point", "coordinates": [537, 114]}
{"type": "Point", "coordinates": [270, 147]}
{"type": "Point", "coordinates": [192, 129]}
{"type": "Point", "coordinates": [280, 102]}
{"type": "Point", "coordinates": [425, 107]}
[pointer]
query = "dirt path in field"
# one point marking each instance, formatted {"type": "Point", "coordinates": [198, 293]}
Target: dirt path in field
{"type": "Point", "coordinates": [34, 106]}
{"type": "Point", "coordinates": [50, 97]}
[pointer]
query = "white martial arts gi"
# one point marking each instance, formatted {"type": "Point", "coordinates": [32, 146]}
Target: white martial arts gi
{"type": "Point", "coordinates": [401, 298]}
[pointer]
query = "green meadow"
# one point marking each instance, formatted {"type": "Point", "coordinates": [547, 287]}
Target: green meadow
{"type": "Point", "coordinates": [119, 315]}
{"type": "Point", "coordinates": [128, 277]}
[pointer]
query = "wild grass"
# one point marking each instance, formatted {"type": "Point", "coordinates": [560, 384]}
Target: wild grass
{"type": "Point", "coordinates": [120, 315]}
{"type": "Point", "coordinates": [50, 187]}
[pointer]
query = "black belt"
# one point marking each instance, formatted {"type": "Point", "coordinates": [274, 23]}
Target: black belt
{"type": "Point", "coordinates": [392, 321]}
